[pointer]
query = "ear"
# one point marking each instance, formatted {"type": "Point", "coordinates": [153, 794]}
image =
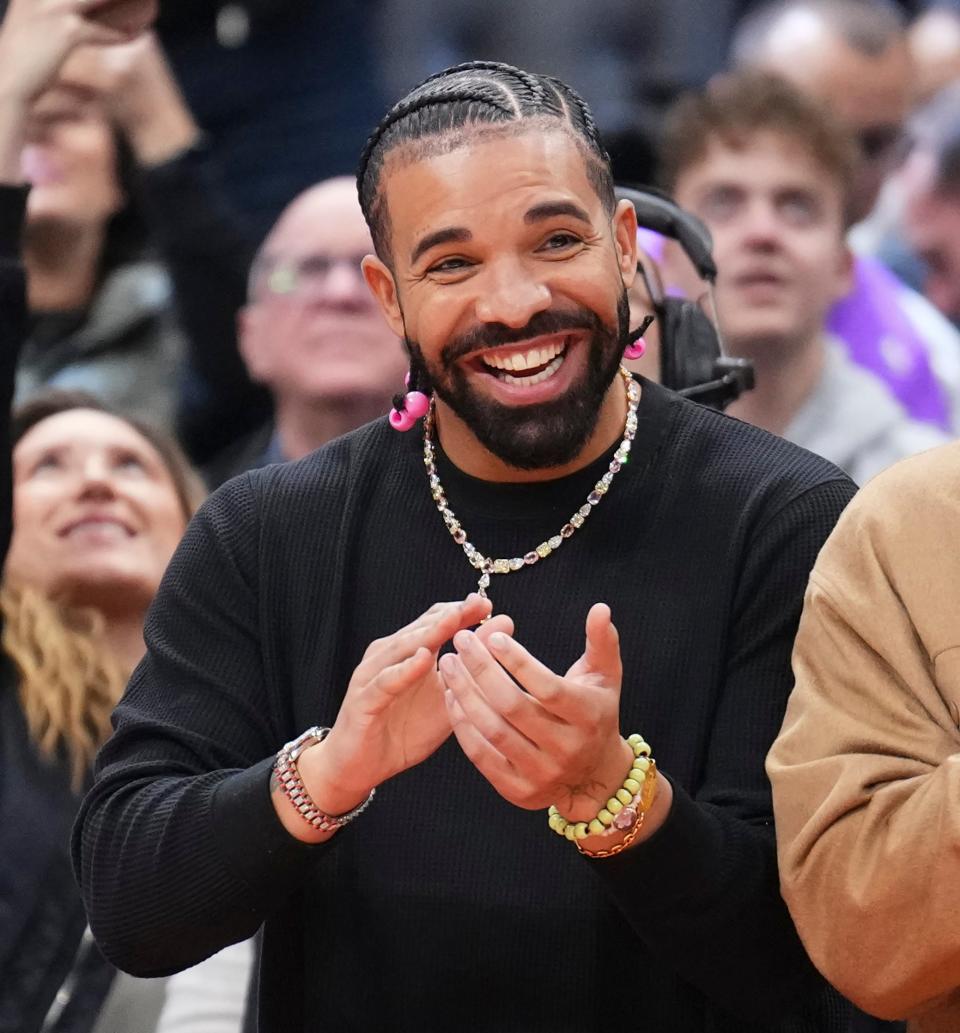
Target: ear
{"type": "Point", "coordinates": [384, 288]}
{"type": "Point", "coordinates": [625, 240]}
{"type": "Point", "coordinates": [251, 345]}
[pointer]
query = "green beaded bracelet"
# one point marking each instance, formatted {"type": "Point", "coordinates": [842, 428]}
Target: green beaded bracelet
{"type": "Point", "coordinates": [626, 800]}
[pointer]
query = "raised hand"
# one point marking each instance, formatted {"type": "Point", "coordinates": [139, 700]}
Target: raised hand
{"type": "Point", "coordinates": [137, 89]}
{"type": "Point", "coordinates": [393, 715]}
{"type": "Point", "coordinates": [541, 738]}
{"type": "Point", "coordinates": [36, 37]}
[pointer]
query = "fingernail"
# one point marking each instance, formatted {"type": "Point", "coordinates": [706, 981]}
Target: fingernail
{"type": "Point", "coordinates": [498, 640]}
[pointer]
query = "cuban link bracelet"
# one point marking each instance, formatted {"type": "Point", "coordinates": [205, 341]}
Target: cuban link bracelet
{"type": "Point", "coordinates": [487, 565]}
{"type": "Point", "coordinates": [288, 777]}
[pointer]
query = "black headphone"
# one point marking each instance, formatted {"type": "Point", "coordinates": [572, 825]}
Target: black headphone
{"type": "Point", "coordinates": [692, 359]}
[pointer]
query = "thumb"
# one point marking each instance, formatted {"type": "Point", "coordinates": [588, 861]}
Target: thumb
{"type": "Point", "coordinates": [602, 654]}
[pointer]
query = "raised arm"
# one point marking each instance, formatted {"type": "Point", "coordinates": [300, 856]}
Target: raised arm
{"type": "Point", "coordinates": [36, 37]}
{"type": "Point", "coordinates": [203, 243]}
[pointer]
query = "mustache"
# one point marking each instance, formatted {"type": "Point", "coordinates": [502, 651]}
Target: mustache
{"type": "Point", "coordinates": [495, 335]}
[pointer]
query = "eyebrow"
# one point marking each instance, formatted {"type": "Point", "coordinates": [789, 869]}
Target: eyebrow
{"type": "Point", "coordinates": [450, 235]}
{"type": "Point", "coordinates": [551, 209]}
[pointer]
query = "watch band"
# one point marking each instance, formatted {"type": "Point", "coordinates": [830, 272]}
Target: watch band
{"type": "Point", "coordinates": [292, 785]}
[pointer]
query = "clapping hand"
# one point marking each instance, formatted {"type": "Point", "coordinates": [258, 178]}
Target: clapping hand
{"type": "Point", "coordinates": [538, 737]}
{"type": "Point", "coordinates": [393, 715]}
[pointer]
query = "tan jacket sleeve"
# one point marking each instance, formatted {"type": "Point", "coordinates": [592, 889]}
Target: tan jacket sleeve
{"type": "Point", "coordinates": [866, 771]}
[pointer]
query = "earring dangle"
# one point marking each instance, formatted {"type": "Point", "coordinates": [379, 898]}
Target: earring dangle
{"type": "Point", "coordinates": [637, 346]}
{"type": "Point", "coordinates": [635, 350]}
{"type": "Point", "coordinates": [408, 408]}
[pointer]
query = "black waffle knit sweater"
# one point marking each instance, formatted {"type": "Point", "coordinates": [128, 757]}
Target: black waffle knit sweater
{"type": "Point", "coordinates": [443, 907]}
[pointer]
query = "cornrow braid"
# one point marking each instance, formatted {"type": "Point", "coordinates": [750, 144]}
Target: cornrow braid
{"type": "Point", "coordinates": [468, 95]}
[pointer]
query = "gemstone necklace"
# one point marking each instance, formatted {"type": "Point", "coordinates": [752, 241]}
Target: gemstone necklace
{"type": "Point", "coordinates": [487, 565]}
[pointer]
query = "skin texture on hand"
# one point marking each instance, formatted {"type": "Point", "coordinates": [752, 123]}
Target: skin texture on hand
{"type": "Point", "coordinates": [36, 37]}
{"type": "Point", "coordinates": [540, 738]}
{"type": "Point", "coordinates": [140, 95]}
{"type": "Point", "coordinates": [129, 17]}
{"type": "Point", "coordinates": [393, 715]}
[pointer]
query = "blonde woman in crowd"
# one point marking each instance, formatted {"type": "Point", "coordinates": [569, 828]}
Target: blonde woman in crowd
{"type": "Point", "coordinates": [98, 504]}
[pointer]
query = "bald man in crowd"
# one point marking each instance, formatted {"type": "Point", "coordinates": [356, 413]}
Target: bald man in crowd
{"type": "Point", "coordinates": [855, 58]}
{"type": "Point", "coordinates": [312, 334]}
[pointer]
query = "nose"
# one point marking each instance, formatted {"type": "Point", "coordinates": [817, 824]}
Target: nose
{"type": "Point", "coordinates": [95, 478]}
{"type": "Point", "coordinates": [511, 295]}
{"type": "Point", "coordinates": [762, 227]}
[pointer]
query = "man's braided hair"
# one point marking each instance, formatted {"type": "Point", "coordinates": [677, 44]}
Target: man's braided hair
{"type": "Point", "coordinates": [470, 96]}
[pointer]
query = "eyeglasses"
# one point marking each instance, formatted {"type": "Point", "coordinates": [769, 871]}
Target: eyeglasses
{"type": "Point", "coordinates": [300, 276]}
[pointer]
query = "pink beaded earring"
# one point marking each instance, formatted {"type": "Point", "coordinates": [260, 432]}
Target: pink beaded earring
{"type": "Point", "coordinates": [411, 407]}
{"type": "Point", "coordinates": [637, 346]}
{"type": "Point", "coordinates": [635, 350]}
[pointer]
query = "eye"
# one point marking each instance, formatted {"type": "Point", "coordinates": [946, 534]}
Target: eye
{"type": "Point", "coordinates": [449, 266]}
{"type": "Point", "coordinates": [799, 208]}
{"type": "Point", "coordinates": [47, 462]}
{"type": "Point", "coordinates": [561, 241]}
{"type": "Point", "coordinates": [720, 203]}
{"type": "Point", "coordinates": [316, 266]}
{"type": "Point", "coordinates": [129, 462]}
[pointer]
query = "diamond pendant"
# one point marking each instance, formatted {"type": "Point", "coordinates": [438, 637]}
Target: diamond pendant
{"type": "Point", "coordinates": [482, 585]}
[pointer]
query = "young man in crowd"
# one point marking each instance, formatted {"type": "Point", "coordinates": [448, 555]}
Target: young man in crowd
{"type": "Point", "coordinates": [768, 171]}
{"type": "Point", "coordinates": [854, 57]}
{"type": "Point", "coordinates": [562, 495]}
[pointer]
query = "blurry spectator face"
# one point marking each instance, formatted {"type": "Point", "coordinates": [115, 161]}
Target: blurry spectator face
{"type": "Point", "coordinates": [934, 40]}
{"type": "Point", "coordinates": [870, 93]}
{"type": "Point", "coordinates": [777, 222]}
{"type": "Point", "coordinates": [931, 223]}
{"type": "Point", "coordinates": [70, 161]}
{"type": "Point", "coordinates": [509, 281]}
{"type": "Point", "coordinates": [312, 331]}
{"type": "Point", "coordinates": [96, 512]}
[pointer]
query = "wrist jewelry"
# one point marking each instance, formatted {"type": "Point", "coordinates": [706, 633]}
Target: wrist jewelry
{"type": "Point", "coordinates": [623, 812]}
{"type": "Point", "coordinates": [292, 785]}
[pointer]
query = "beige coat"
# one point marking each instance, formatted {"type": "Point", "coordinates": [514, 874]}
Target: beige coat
{"type": "Point", "coordinates": [866, 771]}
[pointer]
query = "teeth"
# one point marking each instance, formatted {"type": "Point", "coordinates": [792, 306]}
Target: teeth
{"type": "Point", "coordinates": [525, 360]}
{"type": "Point", "coordinates": [537, 378]}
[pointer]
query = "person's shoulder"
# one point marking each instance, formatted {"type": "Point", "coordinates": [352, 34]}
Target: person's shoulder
{"type": "Point", "coordinates": [918, 492]}
{"type": "Point", "coordinates": [325, 474]}
{"type": "Point", "coordinates": [896, 535]}
{"type": "Point", "coordinates": [738, 457]}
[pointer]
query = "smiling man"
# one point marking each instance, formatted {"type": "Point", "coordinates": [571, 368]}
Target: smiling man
{"type": "Point", "coordinates": [769, 172]}
{"type": "Point", "coordinates": [556, 500]}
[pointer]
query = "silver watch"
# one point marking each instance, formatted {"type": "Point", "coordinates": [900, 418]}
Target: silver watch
{"type": "Point", "coordinates": [292, 785]}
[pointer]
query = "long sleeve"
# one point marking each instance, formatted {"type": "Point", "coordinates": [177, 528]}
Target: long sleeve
{"type": "Point", "coordinates": [208, 255]}
{"type": "Point", "coordinates": [13, 322]}
{"type": "Point", "coordinates": [703, 890]}
{"type": "Point", "coordinates": [866, 772]}
{"type": "Point", "coordinates": [178, 834]}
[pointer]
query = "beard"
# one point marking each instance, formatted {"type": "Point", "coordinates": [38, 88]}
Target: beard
{"type": "Point", "coordinates": [540, 436]}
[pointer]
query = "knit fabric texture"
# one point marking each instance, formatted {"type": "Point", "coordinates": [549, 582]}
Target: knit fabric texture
{"type": "Point", "coordinates": [443, 906]}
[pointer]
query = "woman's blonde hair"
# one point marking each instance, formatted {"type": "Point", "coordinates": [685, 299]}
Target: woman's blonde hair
{"type": "Point", "coordinates": [69, 680]}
